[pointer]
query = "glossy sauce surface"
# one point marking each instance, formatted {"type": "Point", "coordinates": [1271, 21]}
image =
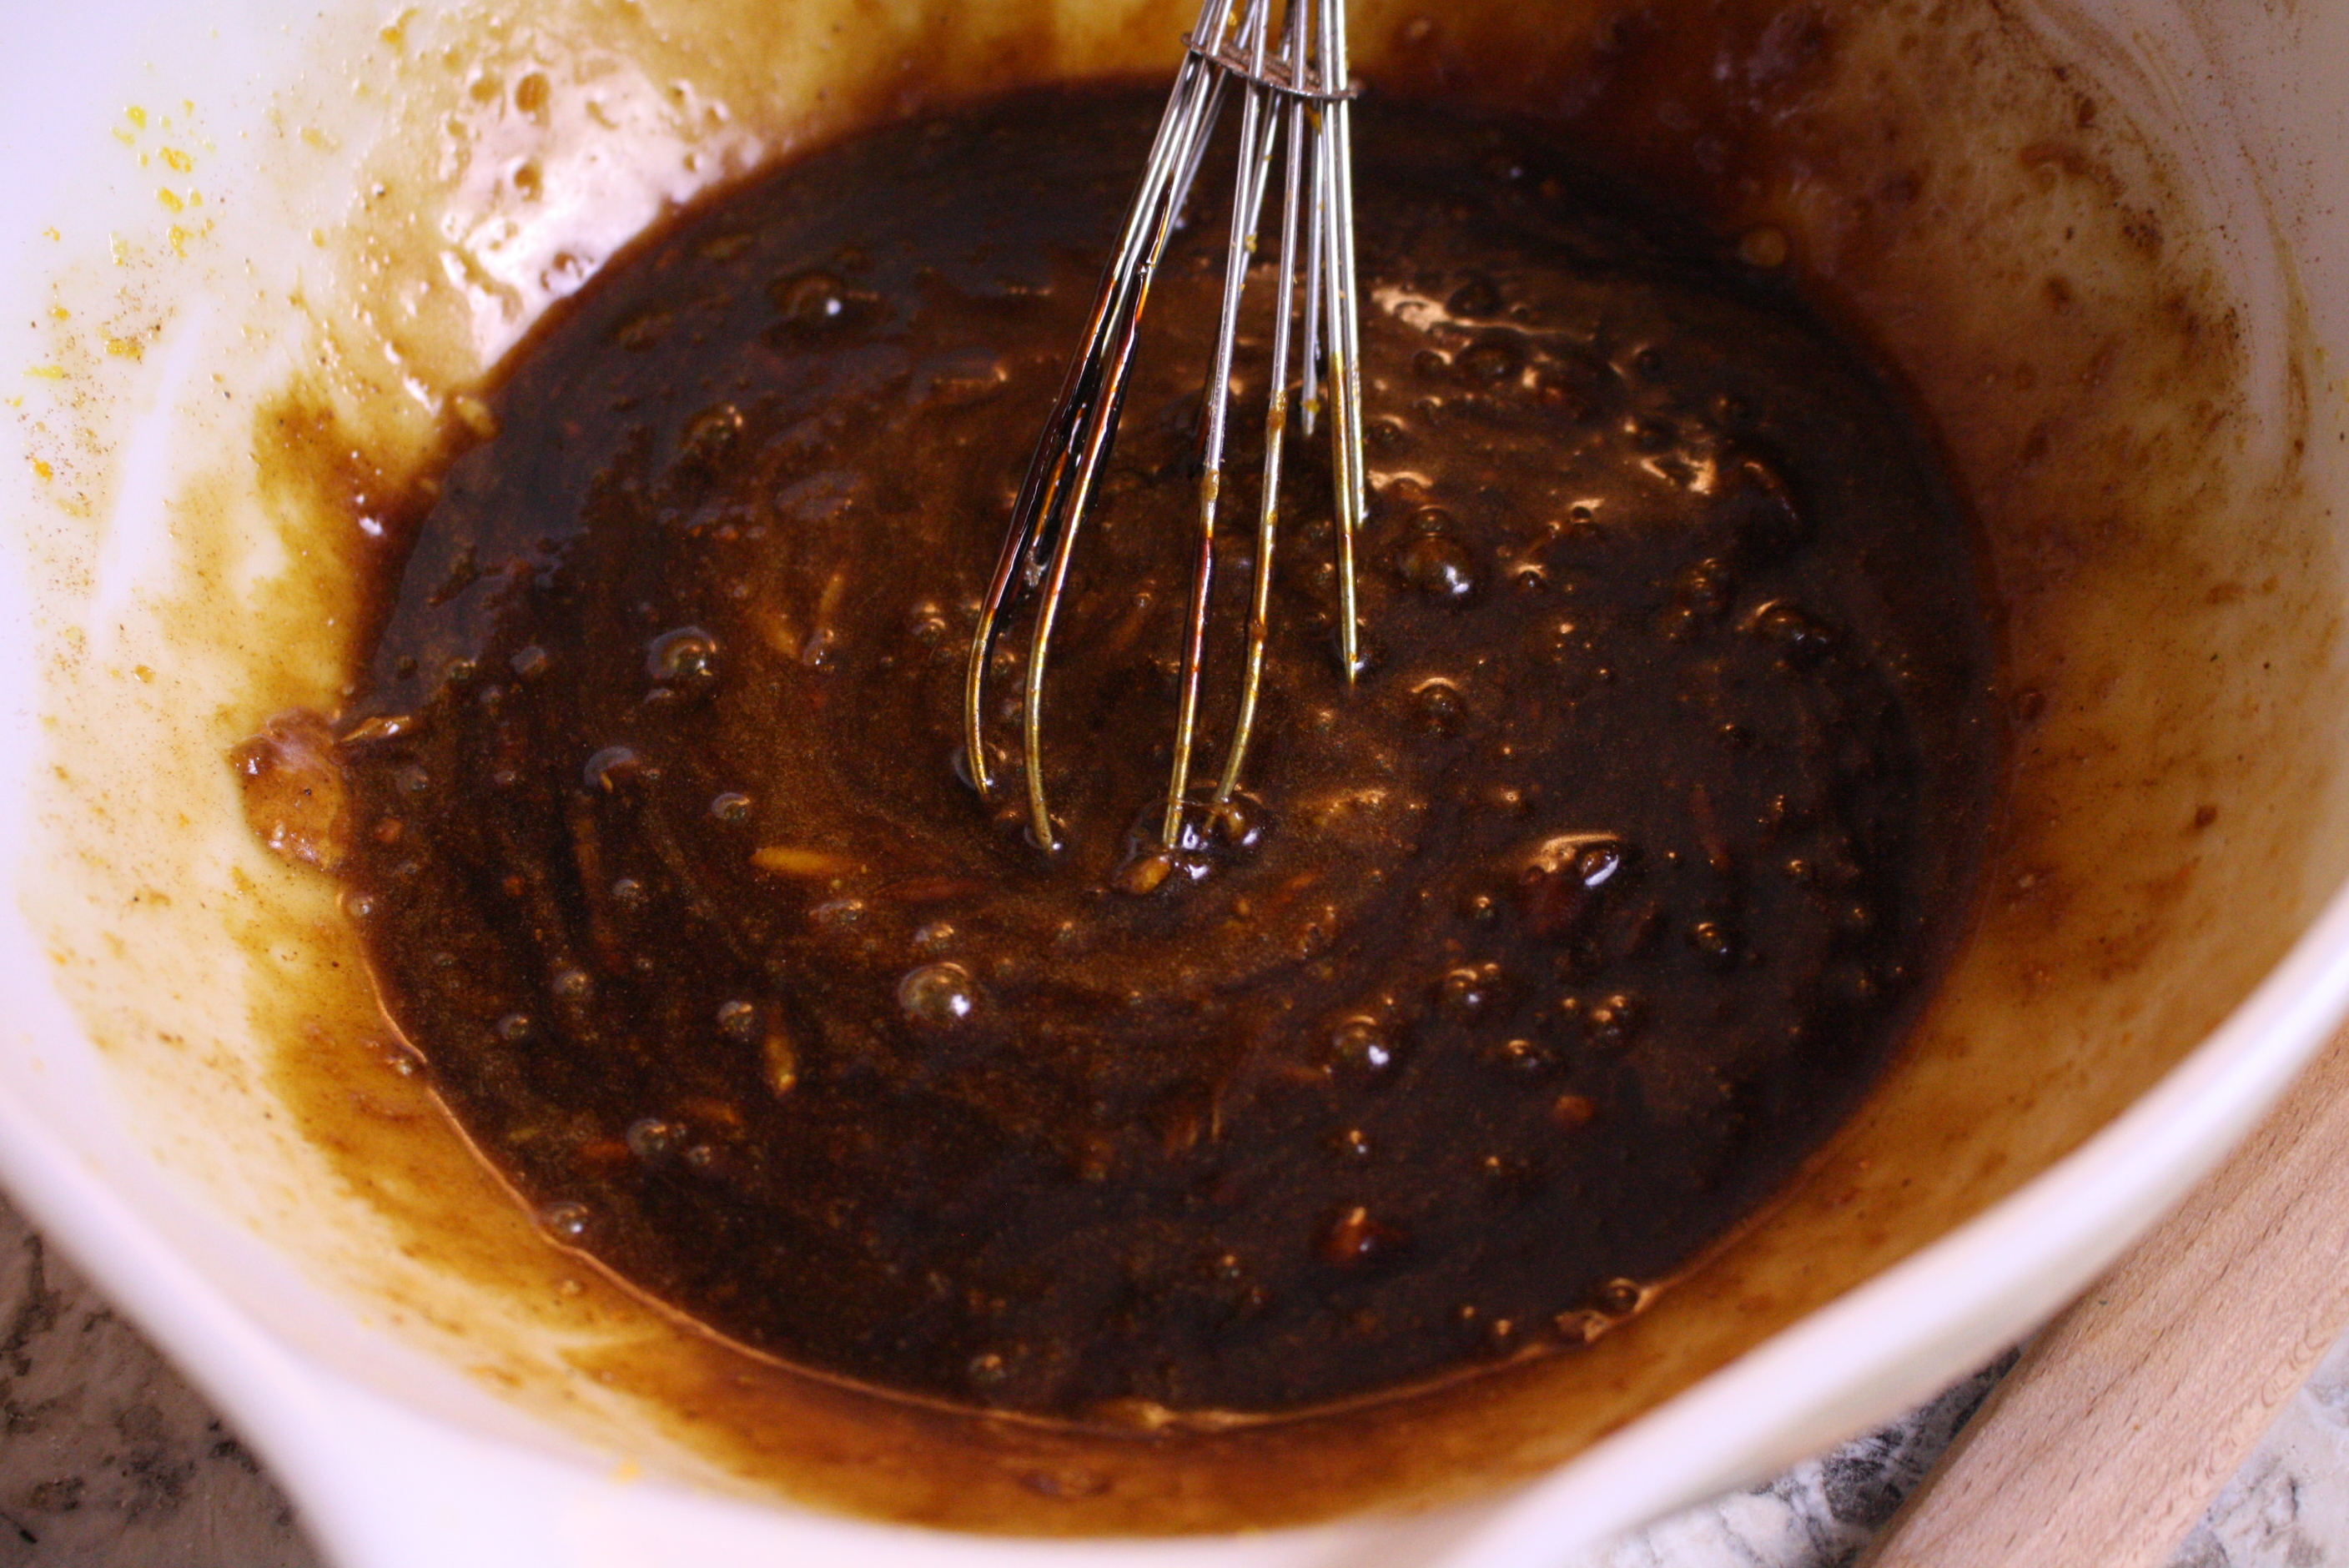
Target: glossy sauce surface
{"type": "Point", "coordinates": [1553, 947]}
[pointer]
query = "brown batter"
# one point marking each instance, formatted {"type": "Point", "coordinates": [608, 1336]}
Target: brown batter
{"type": "Point", "coordinates": [1551, 950]}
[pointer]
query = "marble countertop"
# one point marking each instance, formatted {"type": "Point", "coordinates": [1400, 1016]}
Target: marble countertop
{"type": "Point", "coordinates": [108, 1460]}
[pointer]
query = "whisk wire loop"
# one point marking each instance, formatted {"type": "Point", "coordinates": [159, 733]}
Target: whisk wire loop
{"type": "Point", "coordinates": [1303, 89]}
{"type": "Point", "coordinates": [1345, 338]}
{"type": "Point", "coordinates": [1276, 431]}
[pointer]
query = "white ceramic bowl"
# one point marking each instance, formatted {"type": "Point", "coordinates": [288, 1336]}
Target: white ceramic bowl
{"type": "Point", "coordinates": [2102, 242]}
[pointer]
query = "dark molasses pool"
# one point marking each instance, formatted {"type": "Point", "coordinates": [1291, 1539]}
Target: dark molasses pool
{"type": "Point", "coordinates": [1553, 947]}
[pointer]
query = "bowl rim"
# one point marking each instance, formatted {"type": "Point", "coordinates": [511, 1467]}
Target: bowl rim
{"type": "Point", "coordinates": [353, 1457]}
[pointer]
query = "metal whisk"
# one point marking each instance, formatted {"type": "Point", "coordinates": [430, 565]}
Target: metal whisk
{"type": "Point", "coordinates": [1295, 95]}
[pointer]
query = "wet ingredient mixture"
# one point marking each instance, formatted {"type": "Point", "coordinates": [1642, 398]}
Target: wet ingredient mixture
{"type": "Point", "coordinates": [1532, 966]}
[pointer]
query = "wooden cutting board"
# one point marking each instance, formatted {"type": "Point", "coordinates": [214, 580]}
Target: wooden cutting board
{"type": "Point", "coordinates": [2106, 1443]}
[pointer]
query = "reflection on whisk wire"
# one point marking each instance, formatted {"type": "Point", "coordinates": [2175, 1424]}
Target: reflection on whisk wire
{"type": "Point", "coordinates": [1298, 91]}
